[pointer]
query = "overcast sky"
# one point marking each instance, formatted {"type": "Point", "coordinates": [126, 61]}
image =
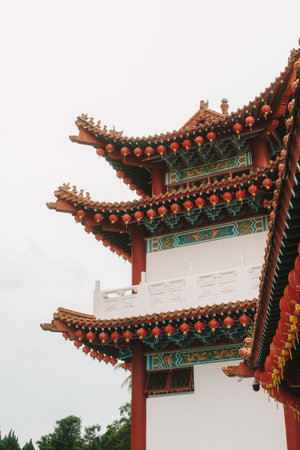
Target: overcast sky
{"type": "Point", "coordinates": [142, 67]}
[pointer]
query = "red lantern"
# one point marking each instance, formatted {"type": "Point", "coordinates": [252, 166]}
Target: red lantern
{"type": "Point", "coordinates": [265, 109]}
{"type": "Point", "coordinates": [187, 144]}
{"type": "Point", "coordinates": [125, 151]}
{"type": "Point", "coordinates": [240, 195]}
{"type": "Point", "coordinates": [86, 349]}
{"type": "Point", "coordinates": [184, 328]}
{"type": "Point", "coordinates": [93, 354]}
{"type": "Point", "coordinates": [156, 332]}
{"type": "Point", "coordinates": [106, 359]}
{"type": "Point", "coordinates": [253, 190]}
{"type": "Point", "coordinates": [90, 336]}
{"type": "Point", "coordinates": [132, 187]}
{"type": "Point", "coordinates": [141, 332]}
{"type": "Point", "coordinates": [162, 211]}
{"type": "Point", "coordinates": [106, 242]}
{"type": "Point", "coordinates": [151, 213]}
{"type": "Point", "coordinates": [126, 180]}
{"type": "Point", "coordinates": [78, 344]}
{"type": "Point", "coordinates": [120, 174]}
{"type": "Point", "coordinates": [138, 215]}
{"type": "Point", "coordinates": [199, 140]}
{"type": "Point", "coordinates": [174, 147]}
{"type": "Point", "coordinates": [127, 335]}
{"type": "Point", "coordinates": [213, 324]}
{"type": "Point", "coordinates": [81, 214]}
{"type": "Point", "coordinates": [113, 361]}
{"type": "Point", "coordinates": [99, 356]}
{"type": "Point", "coordinates": [267, 183]}
{"type": "Point", "coordinates": [199, 326]}
{"type": "Point", "coordinates": [99, 236]}
{"type": "Point", "coordinates": [169, 329]}
{"type": "Point", "coordinates": [161, 149]}
{"type": "Point", "coordinates": [244, 320]}
{"type": "Point", "coordinates": [250, 121]}
{"type": "Point", "coordinates": [100, 152]}
{"type": "Point", "coordinates": [119, 251]}
{"type": "Point", "coordinates": [149, 151]}
{"type": "Point", "coordinates": [113, 248]}
{"type": "Point", "coordinates": [188, 205]}
{"type": "Point", "coordinates": [227, 197]}
{"type": "Point", "coordinates": [103, 337]}
{"type": "Point", "coordinates": [175, 208]}
{"type": "Point", "coordinates": [115, 336]}
{"type": "Point", "coordinates": [110, 148]}
{"type": "Point", "coordinates": [88, 229]}
{"type": "Point", "coordinates": [113, 218]}
{"type": "Point", "coordinates": [138, 152]}
{"type": "Point", "coordinates": [140, 192]}
{"type": "Point", "coordinates": [211, 136]}
{"type": "Point", "coordinates": [126, 218]}
{"type": "Point", "coordinates": [214, 199]}
{"type": "Point", "coordinates": [80, 334]}
{"type": "Point", "coordinates": [66, 336]}
{"type": "Point", "coordinates": [200, 202]}
{"type": "Point", "coordinates": [237, 127]}
{"type": "Point", "coordinates": [98, 217]}
{"type": "Point", "coordinates": [125, 366]}
{"type": "Point", "coordinates": [228, 321]}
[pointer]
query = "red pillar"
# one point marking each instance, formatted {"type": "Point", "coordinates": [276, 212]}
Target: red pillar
{"type": "Point", "coordinates": [158, 178]}
{"type": "Point", "coordinates": [138, 254]}
{"type": "Point", "coordinates": [292, 428]}
{"type": "Point", "coordinates": [138, 398]}
{"type": "Point", "coordinates": [259, 150]}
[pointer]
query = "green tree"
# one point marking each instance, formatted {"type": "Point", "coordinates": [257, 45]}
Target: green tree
{"type": "Point", "coordinates": [66, 436]}
{"type": "Point", "coordinates": [117, 435]}
{"type": "Point", "coordinates": [9, 442]}
{"type": "Point", "coordinates": [92, 438]}
{"type": "Point", "coordinates": [28, 446]}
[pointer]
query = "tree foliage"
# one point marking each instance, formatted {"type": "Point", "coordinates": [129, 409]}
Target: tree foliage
{"type": "Point", "coordinates": [10, 442]}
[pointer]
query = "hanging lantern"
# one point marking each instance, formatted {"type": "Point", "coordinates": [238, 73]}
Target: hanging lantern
{"type": "Point", "coordinates": [86, 349]}
{"type": "Point", "coordinates": [174, 147]}
{"type": "Point", "coordinates": [66, 336]}
{"type": "Point", "coordinates": [227, 197]}
{"type": "Point", "coordinates": [115, 336]}
{"type": "Point", "coordinates": [213, 324]}
{"type": "Point", "coordinates": [214, 199]}
{"type": "Point", "coordinates": [126, 180]}
{"type": "Point", "coordinates": [140, 192]}
{"type": "Point", "coordinates": [93, 354]}
{"type": "Point", "coordinates": [125, 151]}
{"type": "Point", "coordinates": [162, 211]}
{"type": "Point", "coordinates": [127, 335]}
{"type": "Point", "coordinates": [156, 332]}
{"type": "Point", "coordinates": [161, 149]}
{"type": "Point", "coordinates": [113, 248]}
{"type": "Point", "coordinates": [110, 148]}
{"type": "Point", "coordinates": [188, 205]}
{"type": "Point", "coordinates": [113, 361]}
{"type": "Point", "coordinates": [237, 127]}
{"type": "Point", "coordinates": [199, 140]}
{"type": "Point", "coordinates": [187, 144]}
{"type": "Point", "coordinates": [169, 329]}
{"type": "Point", "coordinates": [103, 337]}
{"type": "Point", "coordinates": [141, 332]}
{"type": "Point", "coordinates": [199, 326]}
{"type": "Point", "coordinates": [267, 183]}
{"type": "Point", "coordinates": [99, 356]}
{"type": "Point", "coordinates": [90, 336]}
{"type": "Point", "coordinates": [138, 215]}
{"type": "Point", "coordinates": [78, 344]}
{"type": "Point", "coordinates": [211, 136]}
{"type": "Point", "coordinates": [113, 218]}
{"type": "Point", "coordinates": [106, 242]}
{"type": "Point", "coordinates": [250, 121]}
{"type": "Point", "coordinates": [228, 322]}
{"type": "Point", "coordinates": [138, 152]}
{"type": "Point", "coordinates": [240, 195]}
{"type": "Point", "coordinates": [125, 366]}
{"type": "Point", "coordinates": [265, 109]}
{"type": "Point", "coordinates": [149, 151]}
{"type": "Point", "coordinates": [119, 251]}
{"type": "Point", "coordinates": [126, 218]}
{"type": "Point", "coordinates": [132, 187]}
{"type": "Point", "coordinates": [98, 217]}
{"type": "Point", "coordinates": [253, 190]}
{"type": "Point", "coordinates": [244, 320]}
{"type": "Point", "coordinates": [200, 202]}
{"type": "Point", "coordinates": [120, 174]}
{"type": "Point", "coordinates": [106, 359]}
{"type": "Point", "coordinates": [88, 229]}
{"type": "Point", "coordinates": [81, 214]}
{"type": "Point", "coordinates": [100, 152]}
{"type": "Point", "coordinates": [175, 208]}
{"type": "Point", "coordinates": [80, 334]}
{"type": "Point", "coordinates": [99, 236]}
{"type": "Point", "coordinates": [184, 328]}
{"type": "Point", "coordinates": [151, 213]}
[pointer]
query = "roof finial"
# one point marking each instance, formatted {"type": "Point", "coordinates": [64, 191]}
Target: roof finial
{"type": "Point", "coordinates": [203, 104]}
{"type": "Point", "coordinates": [224, 106]}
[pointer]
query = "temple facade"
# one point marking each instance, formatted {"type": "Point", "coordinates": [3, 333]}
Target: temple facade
{"type": "Point", "coordinates": [198, 238]}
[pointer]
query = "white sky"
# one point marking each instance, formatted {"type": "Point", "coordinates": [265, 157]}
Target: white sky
{"type": "Point", "coordinates": [143, 67]}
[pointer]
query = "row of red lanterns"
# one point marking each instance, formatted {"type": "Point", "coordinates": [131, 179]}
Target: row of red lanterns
{"type": "Point", "coordinates": [186, 144]}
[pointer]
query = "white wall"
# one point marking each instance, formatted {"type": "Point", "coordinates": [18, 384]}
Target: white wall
{"type": "Point", "coordinates": [206, 257]}
{"type": "Point", "coordinates": [221, 414]}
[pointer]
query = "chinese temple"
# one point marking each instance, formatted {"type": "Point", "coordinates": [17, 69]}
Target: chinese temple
{"type": "Point", "coordinates": [213, 239]}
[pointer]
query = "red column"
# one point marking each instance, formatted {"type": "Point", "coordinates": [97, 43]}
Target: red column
{"type": "Point", "coordinates": [292, 428]}
{"type": "Point", "coordinates": [158, 178]}
{"type": "Point", "coordinates": [259, 150]}
{"type": "Point", "coordinates": [138, 254]}
{"type": "Point", "coordinates": [138, 398]}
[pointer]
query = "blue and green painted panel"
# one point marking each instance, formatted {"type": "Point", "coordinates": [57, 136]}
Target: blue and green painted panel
{"type": "Point", "coordinates": [215, 232]}
{"type": "Point", "coordinates": [183, 358]}
{"type": "Point", "coordinates": [208, 169]}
